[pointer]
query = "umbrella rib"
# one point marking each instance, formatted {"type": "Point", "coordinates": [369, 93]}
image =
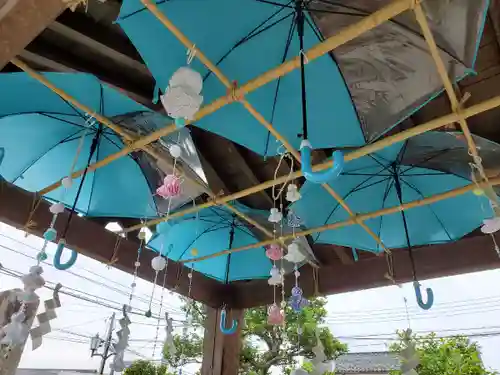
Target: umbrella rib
{"type": "Point", "coordinates": [62, 120]}
{"type": "Point", "coordinates": [384, 200]}
{"type": "Point", "coordinates": [130, 156]}
{"type": "Point", "coordinates": [252, 34]}
{"type": "Point", "coordinates": [418, 164]}
{"type": "Point", "coordinates": [403, 26]}
{"type": "Point", "coordinates": [225, 81]}
{"type": "Point", "coordinates": [278, 84]}
{"type": "Point", "coordinates": [321, 38]}
{"type": "Point", "coordinates": [94, 175]}
{"type": "Point", "coordinates": [352, 191]}
{"type": "Point", "coordinates": [306, 8]}
{"type": "Point", "coordinates": [428, 206]}
{"type": "Point", "coordinates": [208, 230]}
{"type": "Point", "coordinates": [43, 154]}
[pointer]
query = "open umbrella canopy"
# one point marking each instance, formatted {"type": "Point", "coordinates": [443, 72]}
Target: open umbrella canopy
{"type": "Point", "coordinates": [41, 134]}
{"type": "Point", "coordinates": [395, 175]}
{"type": "Point", "coordinates": [354, 95]}
{"type": "Point", "coordinates": [212, 230]}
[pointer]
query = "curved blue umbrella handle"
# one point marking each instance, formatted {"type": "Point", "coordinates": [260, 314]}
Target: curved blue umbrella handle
{"type": "Point", "coordinates": [222, 325]}
{"type": "Point", "coordinates": [418, 293]}
{"type": "Point", "coordinates": [57, 257]}
{"type": "Point", "coordinates": [320, 177]}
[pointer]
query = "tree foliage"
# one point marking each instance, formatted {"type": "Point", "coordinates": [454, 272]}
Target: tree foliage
{"type": "Point", "coordinates": [146, 368]}
{"type": "Point", "coordinates": [264, 346]}
{"type": "Point", "coordinates": [445, 356]}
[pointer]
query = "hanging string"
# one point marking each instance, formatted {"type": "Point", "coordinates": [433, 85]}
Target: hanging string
{"type": "Point", "coordinates": [497, 249]}
{"type": "Point", "coordinates": [160, 310]}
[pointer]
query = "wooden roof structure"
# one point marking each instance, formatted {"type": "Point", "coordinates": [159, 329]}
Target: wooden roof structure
{"type": "Point", "coordinates": [53, 39]}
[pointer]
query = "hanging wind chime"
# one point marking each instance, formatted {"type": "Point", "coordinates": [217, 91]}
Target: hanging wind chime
{"type": "Point", "coordinates": [120, 346]}
{"type": "Point", "coordinates": [182, 97]}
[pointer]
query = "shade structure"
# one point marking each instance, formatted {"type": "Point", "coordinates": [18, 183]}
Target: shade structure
{"type": "Point", "coordinates": [398, 174]}
{"type": "Point", "coordinates": [355, 94]}
{"type": "Point", "coordinates": [193, 236]}
{"type": "Point", "coordinates": [41, 134]}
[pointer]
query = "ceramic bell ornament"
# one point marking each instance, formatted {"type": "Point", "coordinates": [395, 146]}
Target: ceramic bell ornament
{"type": "Point", "coordinates": [171, 187]}
{"type": "Point", "coordinates": [276, 277]}
{"type": "Point", "coordinates": [32, 281]}
{"type": "Point", "coordinates": [275, 215]}
{"type": "Point", "coordinates": [293, 220]}
{"type": "Point", "coordinates": [182, 97]}
{"type": "Point", "coordinates": [297, 301]}
{"type": "Point", "coordinates": [294, 254]}
{"type": "Point", "coordinates": [274, 252]}
{"type": "Point", "coordinates": [292, 193]}
{"type": "Point", "coordinates": [15, 332]}
{"type": "Point", "coordinates": [275, 316]}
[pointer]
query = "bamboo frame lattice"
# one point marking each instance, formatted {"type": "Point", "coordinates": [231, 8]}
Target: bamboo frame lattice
{"type": "Point", "coordinates": [459, 114]}
{"type": "Point", "coordinates": [127, 138]}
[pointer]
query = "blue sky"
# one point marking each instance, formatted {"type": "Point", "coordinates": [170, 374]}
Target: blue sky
{"type": "Point", "coordinates": [366, 320]}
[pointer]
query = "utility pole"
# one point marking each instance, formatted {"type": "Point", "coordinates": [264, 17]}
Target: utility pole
{"type": "Point", "coordinates": [96, 342]}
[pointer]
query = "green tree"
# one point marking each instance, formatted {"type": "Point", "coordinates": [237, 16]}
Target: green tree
{"type": "Point", "coordinates": [146, 368]}
{"type": "Point", "coordinates": [445, 356]}
{"type": "Point", "coordinates": [264, 346]}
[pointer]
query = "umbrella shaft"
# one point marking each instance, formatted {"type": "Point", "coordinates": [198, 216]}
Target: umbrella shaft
{"type": "Point", "coordinates": [93, 148]}
{"type": "Point", "coordinates": [397, 185]}
{"type": "Point", "coordinates": [300, 32]}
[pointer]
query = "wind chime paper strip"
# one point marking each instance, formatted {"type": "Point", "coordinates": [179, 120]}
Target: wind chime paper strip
{"type": "Point", "coordinates": [44, 319]}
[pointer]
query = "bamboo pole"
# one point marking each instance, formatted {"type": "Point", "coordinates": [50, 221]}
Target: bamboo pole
{"type": "Point", "coordinates": [344, 36]}
{"type": "Point", "coordinates": [352, 221]}
{"type": "Point", "coordinates": [226, 82]}
{"type": "Point", "coordinates": [450, 92]}
{"type": "Point", "coordinates": [363, 151]}
{"type": "Point", "coordinates": [127, 137]}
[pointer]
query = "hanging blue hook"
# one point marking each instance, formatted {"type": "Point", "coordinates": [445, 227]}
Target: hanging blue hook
{"type": "Point", "coordinates": [320, 177]}
{"type": "Point", "coordinates": [430, 296]}
{"type": "Point", "coordinates": [222, 325]}
{"type": "Point", "coordinates": [57, 257]}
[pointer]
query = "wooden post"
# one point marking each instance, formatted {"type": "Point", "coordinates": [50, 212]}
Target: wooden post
{"type": "Point", "coordinates": [221, 353]}
{"type": "Point", "coordinates": [9, 305]}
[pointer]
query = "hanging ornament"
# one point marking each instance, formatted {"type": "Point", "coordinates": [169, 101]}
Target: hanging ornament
{"type": "Point", "coordinates": [169, 337]}
{"type": "Point", "coordinates": [276, 277]}
{"type": "Point", "coordinates": [44, 318]}
{"type": "Point", "coordinates": [171, 187]}
{"type": "Point", "coordinates": [293, 220]}
{"type": "Point", "coordinates": [158, 263]}
{"type": "Point", "coordinates": [297, 301]}
{"type": "Point", "coordinates": [275, 215]}
{"type": "Point", "coordinates": [274, 252]}
{"type": "Point", "coordinates": [175, 150]}
{"type": "Point", "coordinates": [120, 346]}
{"type": "Point", "coordinates": [275, 316]}
{"type": "Point", "coordinates": [32, 281]}
{"type": "Point", "coordinates": [320, 362]}
{"type": "Point", "coordinates": [292, 193]}
{"type": "Point", "coordinates": [409, 355]}
{"type": "Point", "coordinates": [182, 97]}
{"type": "Point", "coordinates": [294, 255]}
{"type": "Point", "coordinates": [16, 332]}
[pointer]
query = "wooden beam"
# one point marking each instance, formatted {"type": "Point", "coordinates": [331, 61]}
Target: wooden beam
{"type": "Point", "coordinates": [91, 239]}
{"type": "Point", "coordinates": [464, 256]}
{"type": "Point", "coordinates": [23, 23]}
{"type": "Point", "coordinates": [221, 353]}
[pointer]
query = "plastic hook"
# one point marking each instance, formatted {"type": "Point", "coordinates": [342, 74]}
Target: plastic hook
{"type": "Point", "coordinates": [320, 177]}
{"type": "Point", "coordinates": [418, 293]}
{"type": "Point", "coordinates": [57, 256]}
{"type": "Point", "coordinates": [222, 325]}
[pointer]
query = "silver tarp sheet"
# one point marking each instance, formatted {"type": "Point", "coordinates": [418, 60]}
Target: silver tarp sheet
{"type": "Point", "coordinates": [144, 123]}
{"type": "Point", "coordinates": [389, 70]}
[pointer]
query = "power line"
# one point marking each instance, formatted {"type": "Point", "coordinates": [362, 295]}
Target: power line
{"type": "Point", "coordinates": [117, 290]}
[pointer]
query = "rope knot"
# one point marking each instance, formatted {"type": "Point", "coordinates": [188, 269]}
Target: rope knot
{"type": "Point", "coordinates": [232, 93]}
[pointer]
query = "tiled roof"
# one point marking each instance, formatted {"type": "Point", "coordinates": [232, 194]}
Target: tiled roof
{"type": "Point", "coordinates": [367, 363]}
